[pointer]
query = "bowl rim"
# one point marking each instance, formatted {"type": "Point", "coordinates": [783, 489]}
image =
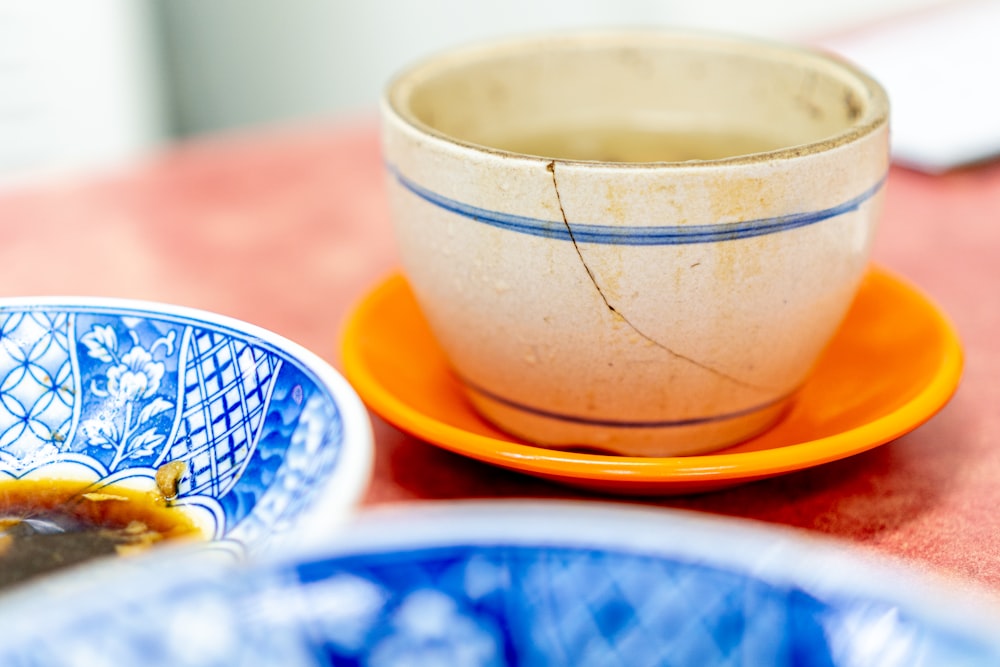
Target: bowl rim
{"type": "Point", "coordinates": [394, 101]}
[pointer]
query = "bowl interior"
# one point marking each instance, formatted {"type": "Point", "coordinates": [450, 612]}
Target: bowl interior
{"type": "Point", "coordinates": [636, 96]}
{"type": "Point", "coordinates": [106, 393]}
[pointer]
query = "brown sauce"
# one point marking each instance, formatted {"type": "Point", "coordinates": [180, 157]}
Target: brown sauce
{"type": "Point", "coordinates": [47, 525]}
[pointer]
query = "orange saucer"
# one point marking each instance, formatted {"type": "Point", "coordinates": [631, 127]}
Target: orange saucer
{"type": "Point", "coordinates": [894, 363]}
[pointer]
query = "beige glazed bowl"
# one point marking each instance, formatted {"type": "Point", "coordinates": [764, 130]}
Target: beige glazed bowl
{"type": "Point", "coordinates": [634, 242]}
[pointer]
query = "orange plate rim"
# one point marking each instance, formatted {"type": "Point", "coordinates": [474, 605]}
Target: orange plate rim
{"type": "Point", "coordinates": [721, 467]}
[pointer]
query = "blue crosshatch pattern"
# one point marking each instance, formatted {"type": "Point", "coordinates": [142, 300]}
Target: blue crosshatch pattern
{"type": "Point", "coordinates": [567, 606]}
{"type": "Point", "coordinates": [226, 390]}
{"type": "Point", "coordinates": [481, 605]}
{"type": "Point", "coordinates": [112, 391]}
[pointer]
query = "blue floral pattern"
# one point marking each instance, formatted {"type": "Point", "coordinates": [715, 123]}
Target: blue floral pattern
{"type": "Point", "coordinates": [116, 393]}
{"type": "Point", "coordinates": [130, 391]}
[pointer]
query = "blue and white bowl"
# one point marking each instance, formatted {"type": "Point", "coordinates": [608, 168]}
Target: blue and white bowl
{"type": "Point", "coordinates": [106, 391]}
{"type": "Point", "coordinates": [511, 583]}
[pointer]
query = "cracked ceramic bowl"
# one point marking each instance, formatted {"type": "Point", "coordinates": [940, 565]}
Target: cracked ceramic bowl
{"type": "Point", "coordinates": [634, 242]}
{"type": "Point", "coordinates": [268, 443]}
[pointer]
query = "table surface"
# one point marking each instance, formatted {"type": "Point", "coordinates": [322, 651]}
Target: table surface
{"type": "Point", "coordinates": [288, 229]}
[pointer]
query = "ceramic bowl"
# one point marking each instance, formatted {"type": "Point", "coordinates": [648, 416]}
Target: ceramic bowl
{"type": "Point", "coordinates": [634, 242]}
{"type": "Point", "coordinates": [275, 444]}
{"type": "Point", "coordinates": [523, 583]}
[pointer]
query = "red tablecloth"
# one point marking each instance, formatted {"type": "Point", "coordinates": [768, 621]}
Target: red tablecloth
{"type": "Point", "coordinates": [287, 229]}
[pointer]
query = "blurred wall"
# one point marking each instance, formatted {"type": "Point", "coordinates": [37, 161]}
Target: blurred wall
{"type": "Point", "coordinates": [80, 85]}
{"type": "Point", "coordinates": [237, 63]}
{"type": "Point", "coordinates": [94, 84]}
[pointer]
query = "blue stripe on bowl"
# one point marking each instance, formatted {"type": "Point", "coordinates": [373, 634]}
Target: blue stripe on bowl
{"type": "Point", "coordinates": [622, 423]}
{"type": "Point", "coordinates": [637, 236]}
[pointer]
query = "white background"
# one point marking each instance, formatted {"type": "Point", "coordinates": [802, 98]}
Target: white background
{"type": "Point", "coordinates": [88, 84]}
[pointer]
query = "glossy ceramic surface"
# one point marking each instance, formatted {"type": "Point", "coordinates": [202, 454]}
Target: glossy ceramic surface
{"type": "Point", "coordinates": [513, 584]}
{"type": "Point", "coordinates": [894, 363]}
{"type": "Point", "coordinates": [105, 392]}
{"type": "Point", "coordinates": [565, 273]}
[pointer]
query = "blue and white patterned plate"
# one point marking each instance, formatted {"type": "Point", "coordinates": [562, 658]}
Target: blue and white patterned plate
{"type": "Point", "coordinates": [106, 391]}
{"type": "Point", "coordinates": [510, 583]}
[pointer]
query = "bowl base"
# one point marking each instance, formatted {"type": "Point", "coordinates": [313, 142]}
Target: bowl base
{"type": "Point", "coordinates": [669, 439]}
